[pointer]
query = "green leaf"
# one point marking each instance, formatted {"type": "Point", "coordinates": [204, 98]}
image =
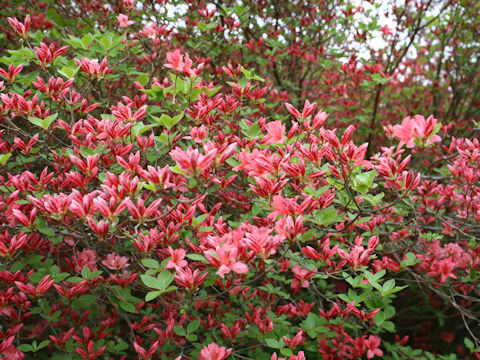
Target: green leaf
{"type": "Point", "coordinates": [87, 40]}
{"type": "Point", "coordinates": [127, 306]}
{"type": "Point", "coordinates": [192, 337]}
{"type": "Point", "coordinates": [166, 120]}
{"type": "Point", "coordinates": [164, 279]}
{"type": "Point", "coordinates": [4, 158]}
{"type": "Point", "coordinates": [389, 326]}
{"type": "Point", "coordinates": [43, 123]}
{"type": "Point", "coordinates": [18, 265]}
{"type": "Point", "coordinates": [140, 128]}
{"type": "Point", "coordinates": [366, 178]}
{"type": "Point", "coordinates": [150, 263]}
{"type": "Point", "coordinates": [25, 347]}
{"type": "Point", "coordinates": [327, 216]}
{"type": "Point", "coordinates": [379, 318]}
{"type": "Point", "coordinates": [43, 344]}
{"type": "Point", "coordinates": [469, 344]}
{"type": "Point", "coordinates": [143, 79]}
{"type": "Point", "coordinates": [75, 42]}
{"type": "Point", "coordinates": [85, 272]}
{"type": "Point", "coordinates": [273, 343]}
{"type": "Point", "coordinates": [193, 326]}
{"type": "Point", "coordinates": [122, 345]}
{"type": "Point", "coordinates": [151, 282]}
{"type": "Point", "coordinates": [106, 40]}
{"type": "Point", "coordinates": [196, 257]}
{"type": "Point", "coordinates": [153, 295]}
{"type": "Point", "coordinates": [212, 92]}
{"type": "Point", "coordinates": [68, 72]}
{"type": "Point", "coordinates": [286, 351]}
{"type": "Point", "coordinates": [179, 330]}
{"type": "Point", "coordinates": [205, 228]}
{"type": "Point", "coordinates": [46, 231]}
{"type": "Point", "coordinates": [389, 285]}
{"type": "Point", "coordinates": [86, 151]}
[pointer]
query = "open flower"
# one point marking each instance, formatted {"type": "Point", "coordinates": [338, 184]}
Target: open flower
{"type": "Point", "coordinates": [275, 131]}
{"type": "Point", "coordinates": [373, 342]}
{"type": "Point", "coordinates": [116, 262]}
{"type": "Point", "coordinates": [225, 258]}
{"type": "Point", "coordinates": [214, 352]}
{"type": "Point", "coordinates": [415, 129]}
{"type": "Point", "coordinates": [123, 20]}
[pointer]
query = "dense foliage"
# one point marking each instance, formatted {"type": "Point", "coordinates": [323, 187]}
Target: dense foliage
{"type": "Point", "coordinates": [239, 179]}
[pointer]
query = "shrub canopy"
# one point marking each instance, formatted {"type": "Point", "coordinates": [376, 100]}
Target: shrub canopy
{"type": "Point", "coordinates": [239, 179]}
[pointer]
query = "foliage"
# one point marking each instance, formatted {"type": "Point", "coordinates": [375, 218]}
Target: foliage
{"type": "Point", "coordinates": [239, 179]}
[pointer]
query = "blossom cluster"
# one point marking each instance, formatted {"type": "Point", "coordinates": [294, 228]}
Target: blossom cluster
{"type": "Point", "coordinates": [158, 204]}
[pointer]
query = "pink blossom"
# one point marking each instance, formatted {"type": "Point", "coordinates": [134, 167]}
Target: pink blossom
{"type": "Point", "coordinates": [226, 260]}
{"type": "Point", "coordinates": [129, 4]}
{"type": "Point", "coordinates": [301, 276]}
{"type": "Point", "coordinates": [416, 127]}
{"type": "Point", "coordinates": [444, 268]}
{"type": "Point", "coordinates": [189, 279]}
{"type": "Point", "coordinates": [214, 352]}
{"type": "Point", "coordinates": [116, 262]}
{"type": "Point", "coordinates": [182, 63]}
{"type": "Point", "coordinates": [123, 20]}
{"type": "Point", "coordinates": [191, 160]}
{"type": "Point", "coordinates": [177, 260]}
{"type": "Point", "coordinates": [373, 342]}
{"type": "Point", "coordinates": [86, 258]}
{"type": "Point", "coordinates": [275, 130]}
{"type": "Point", "coordinates": [386, 30]}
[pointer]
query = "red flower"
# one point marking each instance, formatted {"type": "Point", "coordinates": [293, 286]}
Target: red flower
{"type": "Point", "coordinates": [275, 130]}
{"type": "Point", "coordinates": [292, 110]}
{"type": "Point", "coordinates": [20, 28]}
{"type": "Point", "coordinates": [372, 343]}
{"type": "Point", "coordinates": [12, 72]}
{"type": "Point", "coordinates": [188, 279]}
{"type": "Point", "coordinates": [295, 341]}
{"type": "Point", "coordinates": [214, 352]}
{"type": "Point", "coordinates": [225, 257]}
{"type": "Point", "coordinates": [191, 161]}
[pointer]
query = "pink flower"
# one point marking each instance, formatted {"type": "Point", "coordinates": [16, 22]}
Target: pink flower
{"type": "Point", "coordinates": [295, 341]}
{"type": "Point", "coordinates": [191, 160]}
{"type": "Point", "coordinates": [275, 130]}
{"type": "Point", "coordinates": [197, 134]}
{"type": "Point", "coordinates": [444, 268]}
{"type": "Point", "coordinates": [189, 279]}
{"type": "Point", "coordinates": [115, 262]}
{"type": "Point", "coordinates": [182, 63]}
{"type": "Point", "coordinates": [386, 30]}
{"type": "Point", "coordinates": [291, 109]}
{"type": "Point", "coordinates": [226, 260]}
{"type": "Point", "coordinates": [177, 260]}
{"type": "Point", "coordinates": [11, 353]}
{"type": "Point", "coordinates": [372, 343]}
{"type": "Point", "coordinates": [11, 73]}
{"type": "Point", "coordinates": [123, 20]}
{"type": "Point", "coordinates": [262, 243]}
{"type": "Point", "coordinates": [416, 128]}
{"type": "Point", "coordinates": [301, 276]}
{"type": "Point", "coordinates": [93, 67]}
{"type": "Point", "coordinates": [289, 206]}
{"type": "Point", "coordinates": [20, 28]}
{"type": "Point", "coordinates": [86, 258]}
{"type": "Point", "coordinates": [129, 4]}
{"type": "Point", "coordinates": [214, 352]}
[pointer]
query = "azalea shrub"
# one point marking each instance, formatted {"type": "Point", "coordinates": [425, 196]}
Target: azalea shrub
{"type": "Point", "coordinates": [239, 180]}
